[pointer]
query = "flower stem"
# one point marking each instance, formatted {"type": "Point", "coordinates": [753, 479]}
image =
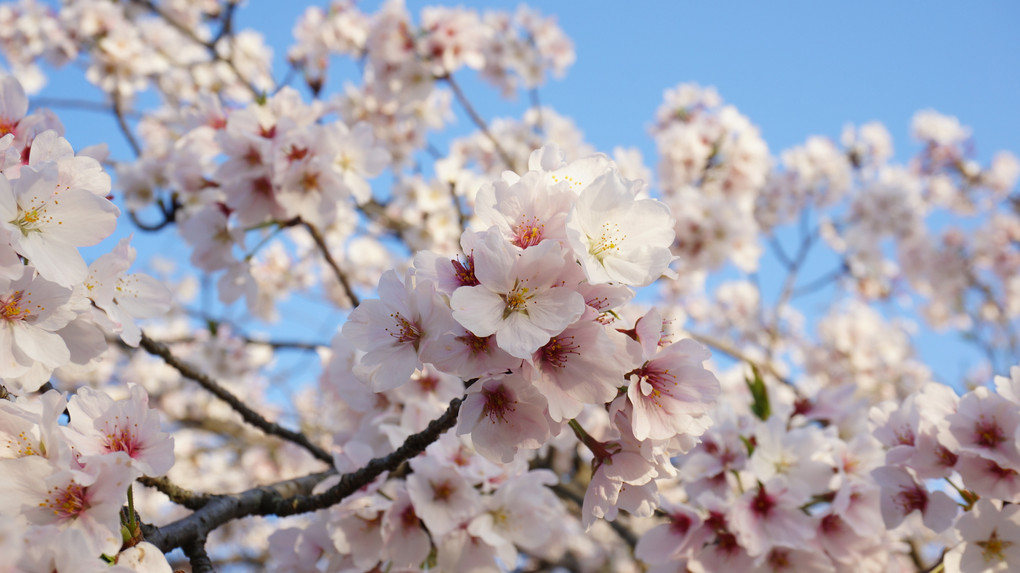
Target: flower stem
{"type": "Point", "coordinates": [132, 524]}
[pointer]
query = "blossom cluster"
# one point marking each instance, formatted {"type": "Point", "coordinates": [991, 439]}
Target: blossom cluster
{"type": "Point", "coordinates": [530, 317]}
{"type": "Point", "coordinates": [65, 484]}
{"type": "Point", "coordinates": [584, 430]}
{"type": "Point", "coordinates": [54, 309]}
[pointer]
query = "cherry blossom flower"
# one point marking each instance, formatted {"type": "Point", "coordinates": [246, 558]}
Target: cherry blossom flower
{"type": "Point", "coordinates": [89, 500]}
{"type": "Point", "coordinates": [576, 367]}
{"type": "Point", "coordinates": [144, 558]}
{"type": "Point", "coordinates": [356, 529]}
{"type": "Point", "coordinates": [397, 331]}
{"type": "Point", "coordinates": [520, 513]}
{"type": "Point", "coordinates": [30, 427]}
{"type": "Point", "coordinates": [681, 536]}
{"type": "Point", "coordinates": [617, 237]}
{"type": "Point", "coordinates": [405, 542]}
{"type": "Point", "coordinates": [102, 425]}
{"type": "Point", "coordinates": [442, 498]}
{"type": "Point", "coordinates": [769, 516]}
{"type": "Point", "coordinates": [527, 210]}
{"type": "Point", "coordinates": [46, 222]}
{"type": "Point", "coordinates": [32, 312]}
{"type": "Point", "coordinates": [991, 539]}
{"type": "Point", "coordinates": [987, 478]}
{"type": "Point", "coordinates": [503, 414]}
{"type": "Point", "coordinates": [123, 297]}
{"type": "Point", "coordinates": [520, 297]}
{"type": "Point", "coordinates": [672, 392]}
{"type": "Point", "coordinates": [987, 425]}
{"type": "Point", "coordinates": [902, 495]}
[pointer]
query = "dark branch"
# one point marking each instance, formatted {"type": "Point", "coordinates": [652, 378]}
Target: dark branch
{"type": "Point", "coordinates": [292, 497]}
{"type": "Point", "coordinates": [249, 415]}
{"type": "Point", "coordinates": [199, 558]}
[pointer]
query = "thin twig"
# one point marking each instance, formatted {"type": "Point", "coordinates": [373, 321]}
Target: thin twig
{"type": "Point", "coordinates": [226, 23]}
{"type": "Point", "coordinates": [820, 281]}
{"type": "Point", "coordinates": [67, 103]}
{"type": "Point", "coordinates": [249, 415]}
{"type": "Point", "coordinates": [461, 217]}
{"type": "Point", "coordinates": [169, 216]}
{"type": "Point", "coordinates": [780, 252]}
{"type": "Point", "coordinates": [118, 113]}
{"type": "Point", "coordinates": [177, 494]}
{"type": "Point", "coordinates": [736, 353]}
{"type": "Point", "coordinates": [321, 243]}
{"type": "Point", "coordinates": [478, 121]}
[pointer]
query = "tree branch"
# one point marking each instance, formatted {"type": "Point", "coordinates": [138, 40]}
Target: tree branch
{"type": "Point", "coordinates": [197, 555]}
{"type": "Point", "coordinates": [321, 243]}
{"type": "Point", "coordinates": [249, 415]}
{"type": "Point", "coordinates": [478, 121]}
{"type": "Point", "coordinates": [292, 497]}
{"type": "Point", "coordinates": [176, 493]}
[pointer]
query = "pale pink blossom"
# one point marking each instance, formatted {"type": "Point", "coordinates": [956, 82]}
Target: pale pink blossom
{"type": "Point", "coordinates": [88, 500]}
{"type": "Point", "coordinates": [987, 478]}
{"type": "Point", "coordinates": [991, 538]}
{"type": "Point", "coordinates": [356, 529]}
{"type": "Point", "coordinates": [520, 296]}
{"type": "Point", "coordinates": [526, 210]}
{"type": "Point", "coordinates": [681, 536]}
{"type": "Point", "coordinates": [902, 495]}
{"type": "Point", "coordinates": [397, 331]}
{"type": "Point", "coordinates": [442, 498]}
{"type": "Point", "coordinates": [576, 367]}
{"type": "Point", "coordinates": [521, 513]}
{"type": "Point", "coordinates": [618, 237]}
{"type": "Point", "coordinates": [672, 393]}
{"type": "Point", "coordinates": [101, 425]}
{"type": "Point", "coordinates": [504, 414]}
{"type": "Point", "coordinates": [986, 425]}
{"type": "Point", "coordinates": [405, 541]}
{"type": "Point", "coordinates": [124, 297]}
{"type": "Point", "coordinates": [32, 312]}
{"type": "Point", "coordinates": [46, 222]}
{"type": "Point", "coordinates": [769, 516]}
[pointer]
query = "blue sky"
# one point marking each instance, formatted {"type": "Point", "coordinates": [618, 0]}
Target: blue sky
{"type": "Point", "coordinates": [795, 68]}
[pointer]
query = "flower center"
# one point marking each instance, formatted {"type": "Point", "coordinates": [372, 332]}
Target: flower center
{"type": "Point", "coordinates": [911, 498]}
{"type": "Point", "coordinates": [122, 440]}
{"type": "Point", "coordinates": [405, 331]}
{"type": "Point", "coordinates": [516, 300]}
{"type": "Point", "coordinates": [476, 344]}
{"type": "Point", "coordinates": [993, 547]}
{"type": "Point", "coordinates": [465, 272]}
{"type": "Point", "coordinates": [498, 403]}
{"type": "Point", "coordinates": [557, 351]}
{"type": "Point", "coordinates": [607, 243]}
{"type": "Point", "coordinates": [66, 503]}
{"type": "Point", "coordinates": [11, 309]}
{"type": "Point", "coordinates": [988, 434]}
{"type": "Point", "coordinates": [442, 491]}
{"type": "Point", "coordinates": [762, 503]}
{"type": "Point", "coordinates": [528, 233]}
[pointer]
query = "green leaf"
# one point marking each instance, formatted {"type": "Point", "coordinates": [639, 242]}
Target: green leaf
{"type": "Point", "coordinates": [760, 406]}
